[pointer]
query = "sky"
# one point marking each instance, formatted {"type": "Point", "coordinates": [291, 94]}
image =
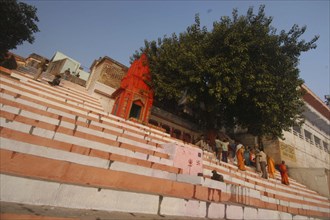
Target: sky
{"type": "Point", "coordinates": [86, 30]}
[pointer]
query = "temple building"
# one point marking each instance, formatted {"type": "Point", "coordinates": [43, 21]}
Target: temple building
{"type": "Point", "coordinates": [134, 97]}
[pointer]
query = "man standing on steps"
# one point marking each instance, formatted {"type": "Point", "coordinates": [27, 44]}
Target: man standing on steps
{"type": "Point", "coordinates": [218, 148]}
{"type": "Point", "coordinates": [224, 152]}
{"type": "Point", "coordinates": [257, 160]}
{"type": "Point", "coordinates": [263, 162]}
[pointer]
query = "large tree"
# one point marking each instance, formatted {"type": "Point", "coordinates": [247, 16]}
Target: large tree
{"type": "Point", "coordinates": [17, 24]}
{"type": "Point", "coordinates": [242, 72]}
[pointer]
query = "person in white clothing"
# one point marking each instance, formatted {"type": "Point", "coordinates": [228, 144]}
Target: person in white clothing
{"type": "Point", "coordinates": [263, 162]}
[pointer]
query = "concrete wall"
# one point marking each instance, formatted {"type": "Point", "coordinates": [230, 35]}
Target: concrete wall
{"type": "Point", "coordinates": [295, 149]}
{"type": "Point", "coordinates": [245, 139]}
{"type": "Point", "coordinates": [83, 75]}
{"type": "Point", "coordinates": [106, 102]}
{"type": "Point", "coordinates": [308, 154]}
{"type": "Point", "coordinates": [317, 179]}
{"type": "Point", "coordinates": [59, 56]}
{"type": "Point", "coordinates": [90, 84]}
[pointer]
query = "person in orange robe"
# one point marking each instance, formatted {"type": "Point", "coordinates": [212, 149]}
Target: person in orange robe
{"type": "Point", "coordinates": [240, 157]}
{"type": "Point", "coordinates": [284, 173]}
{"type": "Point", "coordinates": [271, 167]}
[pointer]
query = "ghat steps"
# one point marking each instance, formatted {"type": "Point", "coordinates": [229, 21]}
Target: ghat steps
{"type": "Point", "coordinates": [63, 157]}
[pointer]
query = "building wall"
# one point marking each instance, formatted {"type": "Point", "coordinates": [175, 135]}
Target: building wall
{"type": "Point", "coordinates": [60, 56]}
{"type": "Point", "coordinates": [315, 178]}
{"type": "Point", "coordinates": [106, 102]}
{"type": "Point", "coordinates": [296, 150]}
{"type": "Point", "coordinates": [307, 153]}
{"type": "Point", "coordinates": [103, 92]}
{"type": "Point", "coordinates": [174, 125]}
{"type": "Point", "coordinates": [106, 71]}
{"type": "Point", "coordinates": [69, 64]}
{"type": "Point", "coordinates": [95, 74]}
{"type": "Point", "coordinates": [83, 75]}
{"type": "Point", "coordinates": [33, 60]}
{"type": "Point", "coordinates": [55, 67]}
{"type": "Point", "coordinates": [111, 75]}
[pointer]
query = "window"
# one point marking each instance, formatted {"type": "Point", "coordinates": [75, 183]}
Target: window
{"type": "Point", "coordinates": [297, 131]}
{"type": "Point", "coordinates": [167, 128]}
{"type": "Point", "coordinates": [308, 137]}
{"type": "Point", "coordinates": [187, 138]}
{"type": "Point", "coordinates": [176, 134]}
{"type": "Point", "coordinates": [317, 142]}
{"type": "Point", "coordinates": [326, 147]}
{"type": "Point", "coordinates": [153, 122]}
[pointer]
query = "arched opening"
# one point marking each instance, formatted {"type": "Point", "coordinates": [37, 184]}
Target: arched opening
{"type": "Point", "coordinates": [136, 109]}
{"type": "Point", "coordinates": [153, 122]}
{"type": "Point", "coordinates": [187, 138]}
{"type": "Point", "coordinates": [167, 128]}
{"type": "Point", "coordinates": [176, 134]}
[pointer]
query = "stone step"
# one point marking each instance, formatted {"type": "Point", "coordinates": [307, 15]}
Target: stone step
{"type": "Point", "coordinates": [274, 192]}
{"type": "Point", "coordinates": [48, 127]}
{"type": "Point", "coordinates": [108, 143]}
{"type": "Point", "coordinates": [28, 166]}
{"type": "Point", "coordinates": [253, 176]}
{"type": "Point", "coordinates": [50, 94]}
{"type": "Point", "coordinates": [210, 157]}
{"type": "Point", "coordinates": [86, 202]}
{"type": "Point", "coordinates": [4, 141]}
{"type": "Point", "coordinates": [51, 149]}
{"type": "Point", "coordinates": [80, 93]}
{"type": "Point", "coordinates": [59, 114]}
{"type": "Point", "coordinates": [89, 115]}
{"type": "Point", "coordinates": [47, 148]}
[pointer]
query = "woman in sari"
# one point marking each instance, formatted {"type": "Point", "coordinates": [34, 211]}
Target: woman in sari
{"type": "Point", "coordinates": [240, 157]}
{"type": "Point", "coordinates": [271, 167]}
{"type": "Point", "coordinates": [284, 173]}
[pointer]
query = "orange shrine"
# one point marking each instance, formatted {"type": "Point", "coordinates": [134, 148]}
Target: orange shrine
{"type": "Point", "coordinates": [134, 97]}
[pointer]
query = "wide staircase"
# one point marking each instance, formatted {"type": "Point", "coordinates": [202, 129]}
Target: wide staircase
{"type": "Point", "coordinates": [63, 157]}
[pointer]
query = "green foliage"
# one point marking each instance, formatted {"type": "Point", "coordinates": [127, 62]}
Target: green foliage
{"type": "Point", "coordinates": [9, 62]}
{"type": "Point", "coordinates": [240, 73]}
{"type": "Point", "coordinates": [17, 24]}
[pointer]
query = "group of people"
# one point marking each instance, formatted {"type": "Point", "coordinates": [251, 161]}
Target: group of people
{"type": "Point", "coordinates": [245, 156]}
{"type": "Point", "coordinates": [260, 160]}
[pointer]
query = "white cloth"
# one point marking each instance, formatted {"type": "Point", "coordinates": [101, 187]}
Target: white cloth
{"type": "Point", "coordinates": [263, 156]}
{"type": "Point", "coordinates": [224, 145]}
{"type": "Point", "coordinates": [239, 146]}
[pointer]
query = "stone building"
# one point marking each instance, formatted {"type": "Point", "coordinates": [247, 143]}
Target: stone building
{"type": "Point", "coordinates": [105, 78]}
{"type": "Point", "coordinates": [33, 60]}
{"type": "Point", "coordinates": [61, 62]}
